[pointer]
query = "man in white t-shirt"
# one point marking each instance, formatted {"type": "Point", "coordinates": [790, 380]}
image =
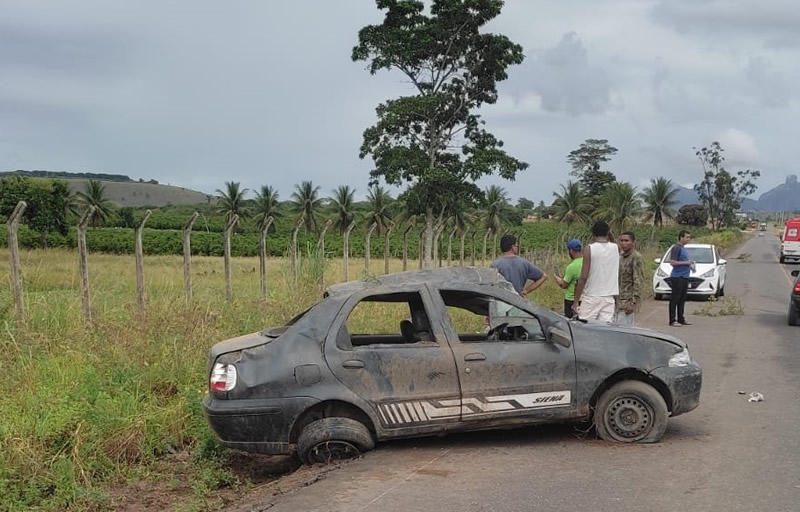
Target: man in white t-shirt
{"type": "Point", "coordinates": [599, 281]}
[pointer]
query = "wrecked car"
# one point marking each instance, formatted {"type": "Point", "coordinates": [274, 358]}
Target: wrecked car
{"type": "Point", "coordinates": [437, 351]}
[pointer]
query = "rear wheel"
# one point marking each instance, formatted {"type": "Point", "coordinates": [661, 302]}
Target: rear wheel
{"type": "Point", "coordinates": [331, 439]}
{"type": "Point", "coordinates": [631, 412]}
{"type": "Point", "coordinates": [794, 315]}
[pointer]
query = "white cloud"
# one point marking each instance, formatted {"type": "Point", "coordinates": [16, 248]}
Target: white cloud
{"type": "Point", "coordinates": [740, 147]}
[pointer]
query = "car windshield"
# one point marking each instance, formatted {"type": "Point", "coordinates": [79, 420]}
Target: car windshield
{"type": "Point", "coordinates": [701, 254]}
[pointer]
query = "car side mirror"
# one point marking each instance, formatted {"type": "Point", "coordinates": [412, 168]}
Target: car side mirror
{"type": "Point", "coordinates": [723, 261]}
{"type": "Point", "coordinates": [657, 260]}
{"type": "Point", "coordinates": [795, 273]}
{"type": "Point", "coordinates": [561, 337]}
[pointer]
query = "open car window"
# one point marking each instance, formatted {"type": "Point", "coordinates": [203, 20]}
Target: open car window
{"type": "Point", "coordinates": [477, 317]}
{"type": "Point", "coordinates": [388, 320]}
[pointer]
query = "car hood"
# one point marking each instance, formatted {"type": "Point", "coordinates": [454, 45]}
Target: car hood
{"type": "Point", "coordinates": [608, 329]}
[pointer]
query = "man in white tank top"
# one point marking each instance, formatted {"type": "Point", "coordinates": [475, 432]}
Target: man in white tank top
{"type": "Point", "coordinates": [599, 281]}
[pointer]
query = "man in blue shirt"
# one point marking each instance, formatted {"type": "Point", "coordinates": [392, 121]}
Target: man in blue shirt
{"type": "Point", "coordinates": [679, 282]}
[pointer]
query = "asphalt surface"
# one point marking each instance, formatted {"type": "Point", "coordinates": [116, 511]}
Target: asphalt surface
{"type": "Point", "coordinates": [729, 454]}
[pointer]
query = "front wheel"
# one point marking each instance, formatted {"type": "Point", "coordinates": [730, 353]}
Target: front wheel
{"type": "Point", "coordinates": [331, 439]}
{"type": "Point", "coordinates": [631, 412]}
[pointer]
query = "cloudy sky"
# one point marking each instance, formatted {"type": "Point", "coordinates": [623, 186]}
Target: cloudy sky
{"type": "Point", "coordinates": [196, 93]}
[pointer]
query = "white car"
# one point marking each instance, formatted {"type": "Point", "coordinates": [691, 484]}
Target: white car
{"type": "Point", "coordinates": [708, 278]}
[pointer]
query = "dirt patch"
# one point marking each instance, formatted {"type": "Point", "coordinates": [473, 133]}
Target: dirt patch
{"type": "Point", "coordinates": [170, 484]}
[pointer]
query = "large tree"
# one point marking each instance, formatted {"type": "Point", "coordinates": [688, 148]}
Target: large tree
{"type": "Point", "coordinates": [586, 162]}
{"type": "Point", "coordinates": [659, 200]}
{"type": "Point", "coordinates": [720, 191]}
{"type": "Point", "coordinates": [306, 201]}
{"type": "Point", "coordinates": [434, 139]}
{"type": "Point", "coordinates": [48, 203]}
{"type": "Point", "coordinates": [230, 201]}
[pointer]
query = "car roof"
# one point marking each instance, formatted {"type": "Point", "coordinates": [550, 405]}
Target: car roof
{"type": "Point", "coordinates": [699, 246]}
{"type": "Point", "coordinates": [437, 277]}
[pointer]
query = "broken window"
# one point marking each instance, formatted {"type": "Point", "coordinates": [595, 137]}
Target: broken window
{"type": "Point", "coordinates": [477, 317]}
{"type": "Point", "coordinates": [389, 319]}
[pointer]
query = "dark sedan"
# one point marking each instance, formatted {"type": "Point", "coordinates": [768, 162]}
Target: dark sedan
{"type": "Point", "coordinates": [794, 300]}
{"type": "Point", "coordinates": [434, 351]}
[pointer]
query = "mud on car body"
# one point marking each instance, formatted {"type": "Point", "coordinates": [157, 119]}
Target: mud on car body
{"type": "Point", "coordinates": [322, 385]}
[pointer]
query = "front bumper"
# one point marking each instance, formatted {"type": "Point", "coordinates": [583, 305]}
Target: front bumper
{"type": "Point", "coordinates": [697, 286]}
{"type": "Point", "coordinates": [255, 425]}
{"type": "Point", "coordinates": [684, 383]}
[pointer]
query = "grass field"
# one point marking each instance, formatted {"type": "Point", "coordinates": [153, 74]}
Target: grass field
{"type": "Point", "coordinates": [85, 408]}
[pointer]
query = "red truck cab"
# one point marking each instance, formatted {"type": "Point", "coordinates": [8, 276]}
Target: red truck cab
{"type": "Point", "coordinates": [790, 241]}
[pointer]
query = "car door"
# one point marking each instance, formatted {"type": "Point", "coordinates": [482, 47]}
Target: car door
{"type": "Point", "coordinates": [407, 376]}
{"type": "Point", "coordinates": [527, 378]}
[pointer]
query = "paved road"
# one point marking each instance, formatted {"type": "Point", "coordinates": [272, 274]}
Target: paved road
{"type": "Point", "coordinates": [727, 455]}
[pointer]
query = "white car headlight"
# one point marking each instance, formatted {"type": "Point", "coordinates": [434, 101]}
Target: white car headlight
{"type": "Point", "coordinates": [708, 274]}
{"type": "Point", "coordinates": [682, 358]}
{"type": "Point", "coordinates": [661, 273]}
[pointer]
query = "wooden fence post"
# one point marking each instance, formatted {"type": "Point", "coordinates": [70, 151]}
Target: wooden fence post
{"type": "Point", "coordinates": [227, 255]}
{"type": "Point", "coordinates": [293, 250]}
{"type": "Point", "coordinates": [437, 250]}
{"type": "Point", "coordinates": [262, 257]}
{"type": "Point", "coordinates": [13, 256]}
{"type": "Point", "coordinates": [463, 237]}
{"type": "Point", "coordinates": [450, 246]}
{"type": "Point", "coordinates": [83, 265]}
{"type": "Point", "coordinates": [139, 252]}
{"type": "Point", "coordinates": [386, 247]}
{"type": "Point", "coordinates": [187, 258]}
{"type": "Point", "coordinates": [485, 237]}
{"type": "Point", "coordinates": [321, 248]}
{"type": "Point", "coordinates": [346, 249]}
{"type": "Point", "coordinates": [421, 249]}
{"type": "Point", "coordinates": [405, 246]}
{"type": "Point", "coordinates": [472, 239]}
{"type": "Point", "coordinates": [367, 252]}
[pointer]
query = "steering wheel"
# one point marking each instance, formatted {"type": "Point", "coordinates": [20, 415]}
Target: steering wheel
{"type": "Point", "coordinates": [495, 333]}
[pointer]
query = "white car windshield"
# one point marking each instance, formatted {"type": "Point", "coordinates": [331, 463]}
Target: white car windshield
{"type": "Point", "coordinates": [701, 254]}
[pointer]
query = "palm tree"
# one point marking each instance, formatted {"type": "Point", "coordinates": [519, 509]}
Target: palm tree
{"type": "Point", "coordinates": [306, 201]}
{"type": "Point", "coordinates": [230, 202]}
{"type": "Point", "coordinates": [95, 196]}
{"type": "Point", "coordinates": [379, 201]}
{"type": "Point", "coordinates": [496, 206]}
{"type": "Point", "coordinates": [571, 205]}
{"type": "Point", "coordinates": [619, 206]}
{"type": "Point", "coordinates": [342, 202]}
{"type": "Point", "coordinates": [266, 206]}
{"type": "Point", "coordinates": [659, 199]}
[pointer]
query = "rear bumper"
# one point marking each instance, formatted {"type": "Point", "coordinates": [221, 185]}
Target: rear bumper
{"type": "Point", "coordinates": [255, 425]}
{"type": "Point", "coordinates": [684, 384]}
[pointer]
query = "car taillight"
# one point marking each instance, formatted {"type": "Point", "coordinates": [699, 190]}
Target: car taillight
{"type": "Point", "coordinates": [797, 288]}
{"type": "Point", "coordinates": [223, 377]}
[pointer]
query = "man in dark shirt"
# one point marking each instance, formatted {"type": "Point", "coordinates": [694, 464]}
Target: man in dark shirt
{"type": "Point", "coordinates": [679, 279]}
{"type": "Point", "coordinates": [517, 271]}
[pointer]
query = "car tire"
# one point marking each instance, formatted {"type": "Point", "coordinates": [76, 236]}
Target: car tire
{"type": "Point", "coordinates": [631, 412]}
{"type": "Point", "coordinates": [794, 315]}
{"type": "Point", "coordinates": [722, 290]}
{"type": "Point", "coordinates": [332, 439]}
{"type": "Point", "coordinates": [782, 260]}
{"type": "Point", "coordinates": [659, 296]}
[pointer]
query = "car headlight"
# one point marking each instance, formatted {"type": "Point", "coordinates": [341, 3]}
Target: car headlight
{"type": "Point", "coordinates": [682, 358]}
{"type": "Point", "coordinates": [708, 274]}
{"type": "Point", "coordinates": [661, 273]}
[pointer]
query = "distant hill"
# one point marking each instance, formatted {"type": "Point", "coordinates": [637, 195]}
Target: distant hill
{"type": "Point", "coordinates": [122, 190]}
{"type": "Point", "coordinates": [784, 197]}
